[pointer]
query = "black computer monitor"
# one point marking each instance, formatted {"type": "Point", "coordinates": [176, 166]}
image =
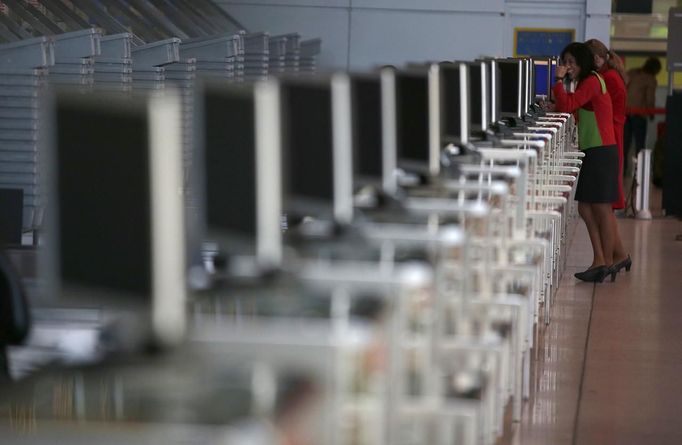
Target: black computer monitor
{"type": "Point", "coordinates": [417, 122]}
{"type": "Point", "coordinates": [511, 87]}
{"type": "Point", "coordinates": [479, 115]}
{"type": "Point", "coordinates": [316, 141]}
{"type": "Point", "coordinates": [542, 71]}
{"type": "Point", "coordinates": [373, 128]}
{"type": "Point", "coordinates": [494, 89]}
{"type": "Point", "coordinates": [367, 125]}
{"type": "Point", "coordinates": [114, 218]}
{"type": "Point", "coordinates": [238, 170]}
{"type": "Point", "coordinates": [454, 102]}
{"type": "Point", "coordinates": [11, 208]}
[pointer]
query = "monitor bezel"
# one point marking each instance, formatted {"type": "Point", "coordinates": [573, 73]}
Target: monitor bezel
{"type": "Point", "coordinates": [387, 167]}
{"type": "Point", "coordinates": [485, 99]}
{"type": "Point", "coordinates": [341, 208]}
{"type": "Point", "coordinates": [266, 247]}
{"type": "Point", "coordinates": [519, 87]}
{"type": "Point", "coordinates": [429, 72]}
{"type": "Point", "coordinates": [167, 302]}
{"type": "Point", "coordinates": [464, 105]}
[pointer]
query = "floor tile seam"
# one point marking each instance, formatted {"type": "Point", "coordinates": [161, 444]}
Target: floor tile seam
{"type": "Point", "coordinates": [576, 418]}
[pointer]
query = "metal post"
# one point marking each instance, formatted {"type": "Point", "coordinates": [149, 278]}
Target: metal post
{"type": "Point", "coordinates": [643, 184]}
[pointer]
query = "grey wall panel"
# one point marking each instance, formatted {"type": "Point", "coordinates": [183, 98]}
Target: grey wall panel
{"type": "Point", "coordinates": [319, 3]}
{"type": "Point", "coordinates": [330, 24]}
{"type": "Point", "coordinates": [548, 2]}
{"type": "Point", "coordinates": [598, 7]}
{"type": "Point", "coordinates": [433, 5]}
{"type": "Point", "coordinates": [675, 39]}
{"type": "Point", "coordinates": [364, 33]}
{"type": "Point", "coordinates": [396, 37]}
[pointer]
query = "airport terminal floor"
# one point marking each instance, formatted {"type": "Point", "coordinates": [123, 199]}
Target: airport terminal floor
{"type": "Point", "coordinates": [607, 368]}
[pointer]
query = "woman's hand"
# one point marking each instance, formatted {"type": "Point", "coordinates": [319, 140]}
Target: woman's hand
{"type": "Point", "coordinates": [548, 106]}
{"type": "Point", "coordinates": [561, 71]}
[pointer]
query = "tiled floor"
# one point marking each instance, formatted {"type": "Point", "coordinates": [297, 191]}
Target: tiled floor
{"type": "Point", "coordinates": [608, 368]}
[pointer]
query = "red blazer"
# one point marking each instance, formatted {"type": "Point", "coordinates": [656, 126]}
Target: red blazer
{"type": "Point", "coordinates": [590, 95]}
{"type": "Point", "coordinates": [616, 88]}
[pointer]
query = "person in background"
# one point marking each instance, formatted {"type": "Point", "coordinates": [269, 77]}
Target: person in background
{"type": "Point", "coordinates": [611, 68]}
{"type": "Point", "coordinates": [597, 186]}
{"type": "Point", "coordinates": [641, 93]}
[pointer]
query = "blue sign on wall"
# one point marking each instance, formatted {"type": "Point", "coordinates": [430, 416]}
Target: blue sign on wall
{"type": "Point", "coordinates": [541, 42]}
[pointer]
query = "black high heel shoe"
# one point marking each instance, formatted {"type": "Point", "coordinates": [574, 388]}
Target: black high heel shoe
{"type": "Point", "coordinates": [613, 271]}
{"type": "Point", "coordinates": [595, 274]}
{"type": "Point", "coordinates": [626, 263]}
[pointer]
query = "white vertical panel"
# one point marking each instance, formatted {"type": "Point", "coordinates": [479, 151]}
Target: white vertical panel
{"type": "Point", "coordinates": [598, 27]}
{"type": "Point", "coordinates": [598, 7]}
{"type": "Point", "coordinates": [168, 246]}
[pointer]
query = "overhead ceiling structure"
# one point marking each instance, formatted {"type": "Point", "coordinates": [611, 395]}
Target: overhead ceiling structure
{"type": "Point", "coordinates": [147, 20]}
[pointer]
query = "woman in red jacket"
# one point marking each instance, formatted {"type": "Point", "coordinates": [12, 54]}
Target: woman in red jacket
{"type": "Point", "coordinates": [597, 186]}
{"type": "Point", "coordinates": [611, 68]}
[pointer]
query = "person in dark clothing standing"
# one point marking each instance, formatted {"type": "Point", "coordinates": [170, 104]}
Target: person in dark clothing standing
{"type": "Point", "coordinates": [641, 86]}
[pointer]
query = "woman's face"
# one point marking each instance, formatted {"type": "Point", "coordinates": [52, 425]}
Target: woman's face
{"type": "Point", "coordinates": [571, 66]}
{"type": "Point", "coordinates": [599, 62]}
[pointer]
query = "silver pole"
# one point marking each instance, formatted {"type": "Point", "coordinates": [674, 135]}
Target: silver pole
{"type": "Point", "coordinates": [643, 184]}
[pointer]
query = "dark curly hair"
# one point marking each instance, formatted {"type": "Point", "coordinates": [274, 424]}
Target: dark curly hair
{"type": "Point", "coordinates": [583, 58]}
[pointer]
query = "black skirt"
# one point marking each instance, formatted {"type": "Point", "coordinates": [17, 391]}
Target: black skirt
{"type": "Point", "coordinates": [598, 180]}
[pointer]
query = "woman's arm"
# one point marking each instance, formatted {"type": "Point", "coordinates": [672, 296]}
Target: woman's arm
{"type": "Point", "coordinates": [568, 103]}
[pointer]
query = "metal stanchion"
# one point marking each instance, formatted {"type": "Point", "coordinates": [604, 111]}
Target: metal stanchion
{"type": "Point", "coordinates": [643, 184]}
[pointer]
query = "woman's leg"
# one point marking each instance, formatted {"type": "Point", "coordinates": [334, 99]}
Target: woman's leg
{"type": "Point", "coordinates": [591, 222]}
{"type": "Point", "coordinates": [619, 253]}
{"type": "Point", "coordinates": [608, 229]}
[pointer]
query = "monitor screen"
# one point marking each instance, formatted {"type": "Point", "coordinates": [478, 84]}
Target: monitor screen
{"type": "Point", "coordinates": [11, 208]}
{"type": "Point", "coordinates": [542, 81]}
{"type": "Point", "coordinates": [102, 197]}
{"type": "Point", "coordinates": [229, 162]}
{"type": "Point", "coordinates": [412, 115]}
{"type": "Point", "coordinates": [451, 103]}
{"type": "Point", "coordinates": [478, 99]}
{"type": "Point", "coordinates": [510, 94]}
{"type": "Point", "coordinates": [367, 130]}
{"type": "Point", "coordinates": [307, 143]}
